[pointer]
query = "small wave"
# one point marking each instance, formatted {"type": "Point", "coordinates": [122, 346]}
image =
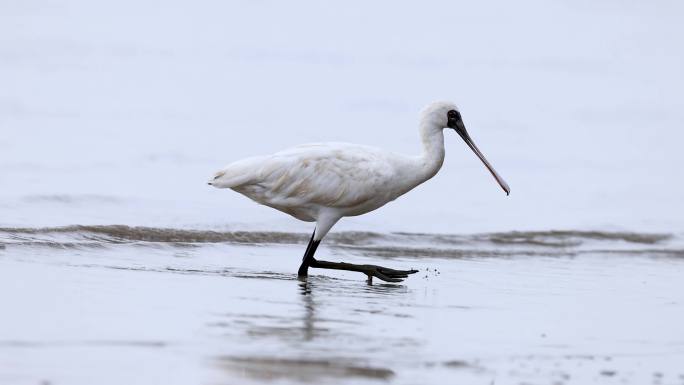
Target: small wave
{"type": "Point", "coordinates": [123, 233]}
{"type": "Point", "coordinates": [302, 369]}
{"type": "Point", "coordinates": [574, 238]}
{"type": "Point", "coordinates": [502, 244]}
{"type": "Point", "coordinates": [128, 234]}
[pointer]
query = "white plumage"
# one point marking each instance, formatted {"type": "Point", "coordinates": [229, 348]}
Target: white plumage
{"type": "Point", "coordinates": [321, 182]}
{"type": "Point", "coordinates": [324, 182]}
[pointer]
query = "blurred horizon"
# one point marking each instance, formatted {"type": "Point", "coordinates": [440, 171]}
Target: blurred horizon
{"type": "Point", "coordinates": [117, 113]}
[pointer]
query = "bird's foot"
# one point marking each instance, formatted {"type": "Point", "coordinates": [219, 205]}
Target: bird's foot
{"type": "Point", "coordinates": [384, 273]}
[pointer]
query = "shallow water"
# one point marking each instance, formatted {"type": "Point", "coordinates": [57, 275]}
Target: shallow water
{"type": "Point", "coordinates": [115, 304]}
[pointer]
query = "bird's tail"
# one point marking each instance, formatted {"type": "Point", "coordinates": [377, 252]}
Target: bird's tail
{"type": "Point", "coordinates": [235, 174]}
{"type": "Point", "coordinates": [216, 180]}
{"type": "Point", "coordinates": [224, 179]}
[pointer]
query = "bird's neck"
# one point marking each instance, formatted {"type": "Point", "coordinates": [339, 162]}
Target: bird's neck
{"type": "Point", "coordinates": [432, 158]}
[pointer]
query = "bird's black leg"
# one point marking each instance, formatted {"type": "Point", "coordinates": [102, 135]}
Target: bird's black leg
{"type": "Point", "coordinates": [308, 256]}
{"type": "Point", "coordinates": [383, 273]}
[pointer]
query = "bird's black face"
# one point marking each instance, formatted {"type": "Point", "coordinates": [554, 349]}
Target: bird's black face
{"type": "Point", "coordinates": [455, 121]}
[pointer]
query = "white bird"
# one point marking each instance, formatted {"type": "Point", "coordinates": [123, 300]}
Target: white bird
{"type": "Point", "coordinates": [324, 182]}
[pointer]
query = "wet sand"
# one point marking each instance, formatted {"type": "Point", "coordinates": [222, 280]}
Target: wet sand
{"type": "Point", "coordinates": [114, 305]}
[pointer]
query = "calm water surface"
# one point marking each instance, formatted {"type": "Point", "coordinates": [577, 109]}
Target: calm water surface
{"type": "Point", "coordinates": [113, 304]}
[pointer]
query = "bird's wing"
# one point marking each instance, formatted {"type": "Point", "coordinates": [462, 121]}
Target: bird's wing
{"type": "Point", "coordinates": [329, 174]}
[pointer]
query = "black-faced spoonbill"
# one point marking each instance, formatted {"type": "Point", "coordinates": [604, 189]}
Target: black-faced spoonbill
{"type": "Point", "coordinates": [324, 182]}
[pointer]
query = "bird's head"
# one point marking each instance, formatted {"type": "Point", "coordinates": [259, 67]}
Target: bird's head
{"type": "Point", "coordinates": [441, 115]}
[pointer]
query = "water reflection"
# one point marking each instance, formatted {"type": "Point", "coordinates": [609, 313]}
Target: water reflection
{"type": "Point", "coordinates": [328, 334]}
{"type": "Point", "coordinates": [347, 300]}
{"type": "Point", "coordinates": [309, 305]}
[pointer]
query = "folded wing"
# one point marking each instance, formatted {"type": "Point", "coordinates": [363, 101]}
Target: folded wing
{"type": "Point", "coordinates": [330, 175]}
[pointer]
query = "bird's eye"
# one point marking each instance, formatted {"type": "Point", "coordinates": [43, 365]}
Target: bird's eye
{"type": "Point", "coordinates": [452, 114]}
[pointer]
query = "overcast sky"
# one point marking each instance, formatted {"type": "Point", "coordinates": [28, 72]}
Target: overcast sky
{"type": "Point", "coordinates": [118, 112]}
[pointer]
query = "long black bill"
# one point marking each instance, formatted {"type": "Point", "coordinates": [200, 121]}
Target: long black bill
{"type": "Point", "coordinates": [459, 127]}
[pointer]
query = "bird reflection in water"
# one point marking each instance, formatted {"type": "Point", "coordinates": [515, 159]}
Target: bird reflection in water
{"type": "Point", "coordinates": [309, 309]}
{"type": "Point", "coordinates": [361, 300]}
